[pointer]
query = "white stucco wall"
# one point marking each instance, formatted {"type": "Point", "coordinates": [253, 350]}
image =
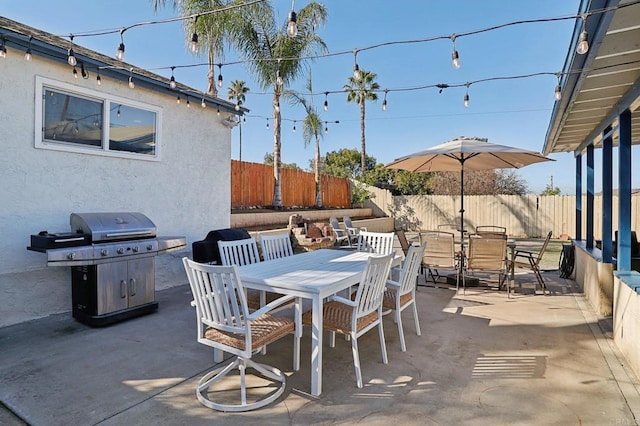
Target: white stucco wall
{"type": "Point", "coordinates": [187, 193]}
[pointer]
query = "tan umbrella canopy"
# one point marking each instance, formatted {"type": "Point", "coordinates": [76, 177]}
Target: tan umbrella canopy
{"type": "Point", "coordinates": [466, 154]}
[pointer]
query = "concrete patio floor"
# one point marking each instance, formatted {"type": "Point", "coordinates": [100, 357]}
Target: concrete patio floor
{"type": "Point", "coordinates": [482, 359]}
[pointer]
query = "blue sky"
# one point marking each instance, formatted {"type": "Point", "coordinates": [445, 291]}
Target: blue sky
{"type": "Point", "coordinates": [511, 112]}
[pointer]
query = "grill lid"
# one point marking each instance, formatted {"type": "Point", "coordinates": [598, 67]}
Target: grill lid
{"type": "Point", "coordinates": [113, 226]}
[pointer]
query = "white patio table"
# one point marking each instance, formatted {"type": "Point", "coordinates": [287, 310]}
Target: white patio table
{"type": "Point", "coordinates": [313, 275]}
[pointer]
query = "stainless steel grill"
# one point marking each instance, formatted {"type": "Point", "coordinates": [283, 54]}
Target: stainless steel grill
{"type": "Point", "coordinates": [112, 258]}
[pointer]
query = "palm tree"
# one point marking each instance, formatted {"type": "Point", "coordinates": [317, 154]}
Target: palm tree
{"type": "Point", "coordinates": [237, 91]}
{"type": "Point", "coordinates": [276, 60]}
{"type": "Point", "coordinates": [360, 90]}
{"type": "Point", "coordinates": [311, 130]}
{"type": "Point", "coordinates": [213, 29]}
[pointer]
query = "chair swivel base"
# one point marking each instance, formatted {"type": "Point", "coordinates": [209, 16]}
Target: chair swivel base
{"type": "Point", "coordinates": [240, 363]}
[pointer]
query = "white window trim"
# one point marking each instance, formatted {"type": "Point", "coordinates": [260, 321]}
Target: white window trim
{"type": "Point", "coordinates": [107, 99]}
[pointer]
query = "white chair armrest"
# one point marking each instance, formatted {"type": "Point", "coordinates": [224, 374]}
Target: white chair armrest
{"type": "Point", "coordinates": [342, 300]}
{"type": "Point", "coordinates": [193, 303]}
{"type": "Point", "coordinates": [269, 306]}
{"type": "Point", "coordinates": [393, 284]}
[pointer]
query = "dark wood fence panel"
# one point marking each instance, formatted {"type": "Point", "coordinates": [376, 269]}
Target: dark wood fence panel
{"type": "Point", "coordinates": [252, 185]}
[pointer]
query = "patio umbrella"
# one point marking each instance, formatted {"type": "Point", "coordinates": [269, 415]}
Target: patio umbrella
{"type": "Point", "coordinates": [466, 154]}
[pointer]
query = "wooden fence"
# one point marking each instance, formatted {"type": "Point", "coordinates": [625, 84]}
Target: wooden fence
{"type": "Point", "coordinates": [523, 216]}
{"type": "Point", "coordinates": [252, 185]}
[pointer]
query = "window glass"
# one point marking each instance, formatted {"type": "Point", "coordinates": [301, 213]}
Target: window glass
{"type": "Point", "coordinates": [72, 119]}
{"type": "Point", "coordinates": [132, 129]}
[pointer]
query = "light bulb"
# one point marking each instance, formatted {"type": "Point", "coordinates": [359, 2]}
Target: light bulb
{"type": "Point", "coordinates": [238, 106]}
{"type": "Point", "coordinates": [279, 78]}
{"type": "Point", "coordinates": [99, 80]}
{"type": "Point", "coordinates": [75, 72]}
{"type": "Point", "coordinates": [194, 42]}
{"type": "Point", "coordinates": [84, 72]}
{"type": "Point", "coordinates": [178, 100]}
{"type": "Point", "coordinates": [356, 72]}
{"type": "Point", "coordinates": [267, 123]}
{"type": "Point", "coordinates": [118, 112]}
{"type": "Point", "coordinates": [71, 59]}
{"type": "Point", "coordinates": [326, 105]}
{"type": "Point", "coordinates": [172, 82]}
{"type": "Point", "coordinates": [558, 93]}
{"type": "Point", "coordinates": [120, 52]}
{"type": "Point", "coordinates": [220, 80]}
{"type": "Point", "coordinates": [292, 26]}
{"type": "Point", "coordinates": [384, 105]}
{"type": "Point", "coordinates": [3, 51]}
{"type": "Point", "coordinates": [583, 44]}
{"type": "Point", "coordinates": [466, 100]}
{"type": "Point", "coordinates": [294, 127]}
{"type": "Point", "coordinates": [132, 85]}
{"type": "Point", "coordinates": [203, 104]}
{"type": "Point", "coordinates": [188, 103]}
{"type": "Point", "coordinates": [27, 55]}
{"type": "Point", "coordinates": [326, 129]}
{"type": "Point", "coordinates": [455, 59]}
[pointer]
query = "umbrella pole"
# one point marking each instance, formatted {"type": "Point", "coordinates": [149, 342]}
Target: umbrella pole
{"type": "Point", "coordinates": [462, 204]}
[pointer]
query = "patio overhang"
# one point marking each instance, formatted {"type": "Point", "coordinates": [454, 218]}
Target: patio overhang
{"type": "Point", "coordinates": [601, 84]}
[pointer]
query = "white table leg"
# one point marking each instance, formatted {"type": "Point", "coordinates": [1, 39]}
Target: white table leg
{"type": "Point", "coordinates": [316, 346]}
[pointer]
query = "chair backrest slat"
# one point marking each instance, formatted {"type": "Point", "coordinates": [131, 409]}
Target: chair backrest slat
{"type": "Point", "coordinates": [410, 265]}
{"type": "Point", "coordinates": [543, 248]}
{"type": "Point", "coordinates": [372, 284]}
{"type": "Point", "coordinates": [375, 242]}
{"type": "Point", "coordinates": [347, 221]}
{"type": "Point", "coordinates": [276, 246]}
{"type": "Point", "coordinates": [239, 252]}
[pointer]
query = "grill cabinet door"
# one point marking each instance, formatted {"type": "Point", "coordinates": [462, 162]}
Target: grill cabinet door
{"type": "Point", "coordinates": [112, 290]}
{"type": "Point", "coordinates": [141, 281]}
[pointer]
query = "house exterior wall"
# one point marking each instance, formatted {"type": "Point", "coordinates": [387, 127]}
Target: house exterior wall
{"type": "Point", "coordinates": [186, 193]}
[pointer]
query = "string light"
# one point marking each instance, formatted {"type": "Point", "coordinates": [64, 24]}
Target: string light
{"type": "Point", "coordinates": [466, 97]}
{"type": "Point", "coordinates": [203, 104]}
{"type": "Point", "coordinates": [384, 101]}
{"type": "Point", "coordinates": [294, 126]}
{"type": "Point", "coordinates": [279, 78]}
{"type": "Point", "coordinates": [267, 123]}
{"type": "Point", "coordinates": [558, 92]}
{"type": "Point", "coordinates": [83, 71]}
{"type": "Point", "coordinates": [194, 36]}
{"type": "Point", "coordinates": [292, 26]}
{"type": "Point", "coordinates": [71, 57]}
{"type": "Point", "coordinates": [118, 111]}
{"type": "Point", "coordinates": [188, 103]}
{"type": "Point", "coordinates": [220, 79]}
{"type": "Point", "coordinates": [98, 78]}
{"type": "Point", "coordinates": [3, 49]}
{"type": "Point", "coordinates": [218, 111]}
{"type": "Point", "coordinates": [27, 54]}
{"type": "Point", "coordinates": [172, 81]}
{"type": "Point", "coordinates": [326, 101]}
{"type": "Point", "coordinates": [75, 72]}
{"type": "Point", "coordinates": [238, 105]}
{"type": "Point", "coordinates": [178, 100]}
{"type": "Point", "coordinates": [120, 51]}
{"type": "Point", "coordinates": [455, 58]}
{"type": "Point", "coordinates": [132, 85]}
{"type": "Point", "coordinates": [583, 44]}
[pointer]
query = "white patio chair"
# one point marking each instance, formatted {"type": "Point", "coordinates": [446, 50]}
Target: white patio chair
{"type": "Point", "coordinates": [245, 252]}
{"type": "Point", "coordinates": [349, 226]}
{"type": "Point", "coordinates": [276, 246]}
{"type": "Point", "coordinates": [375, 242]}
{"type": "Point", "coordinates": [224, 323]}
{"type": "Point", "coordinates": [401, 294]}
{"type": "Point", "coordinates": [340, 233]}
{"type": "Point", "coordinates": [355, 317]}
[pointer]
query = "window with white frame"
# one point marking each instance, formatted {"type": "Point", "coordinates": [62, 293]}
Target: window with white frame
{"type": "Point", "coordinates": [72, 118]}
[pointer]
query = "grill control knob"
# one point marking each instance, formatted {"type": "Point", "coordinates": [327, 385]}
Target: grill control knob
{"type": "Point", "coordinates": [136, 249]}
{"type": "Point", "coordinates": [120, 250]}
{"type": "Point", "coordinates": [104, 252]}
{"type": "Point", "coordinates": [150, 247]}
{"type": "Point", "coordinates": [71, 256]}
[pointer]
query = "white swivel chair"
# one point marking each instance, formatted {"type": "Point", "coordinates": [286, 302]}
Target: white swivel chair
{"type": "Point", "coordinates": [355, 317]}
{"type": "Point", "coordinates": [224, 323]}
{"type": "Point", "coordinates": [276, 246]}
{"type": "Point", "coordinates": [402, 293]}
